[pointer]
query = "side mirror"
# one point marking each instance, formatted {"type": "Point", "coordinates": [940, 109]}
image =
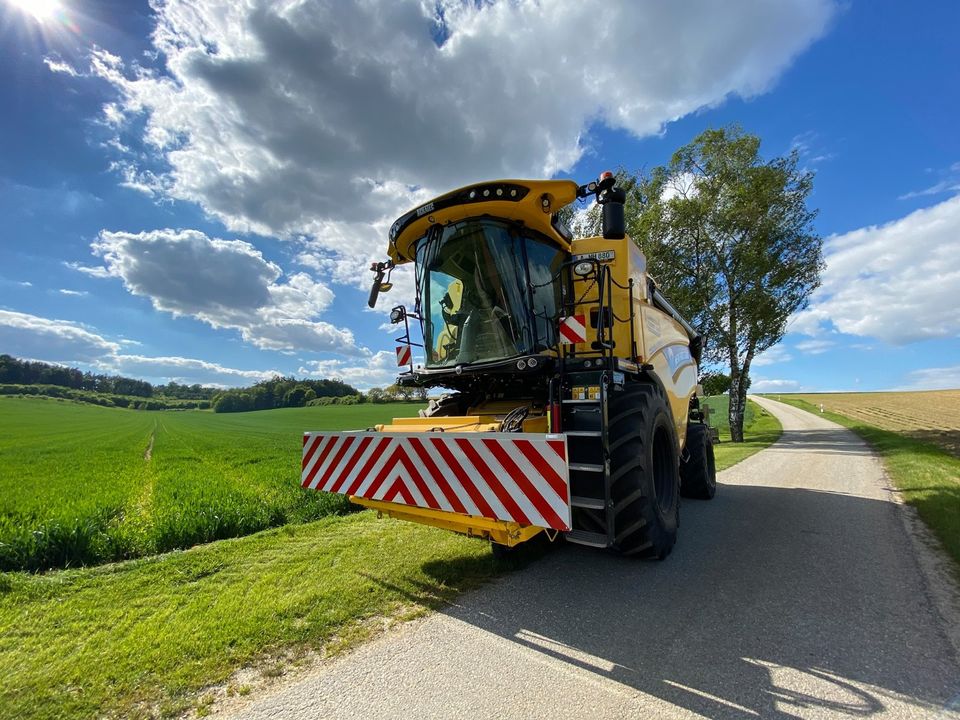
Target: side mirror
{"type": "Point", "coordinates": [379, 285]}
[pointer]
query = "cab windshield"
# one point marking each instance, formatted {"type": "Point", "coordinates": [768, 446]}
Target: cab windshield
{"type": "Point", "coordinates": [487, 292]}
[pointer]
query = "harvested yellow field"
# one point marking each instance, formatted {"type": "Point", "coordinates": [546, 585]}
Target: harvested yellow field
{"type": "Point", "coordinates": [933, 416]}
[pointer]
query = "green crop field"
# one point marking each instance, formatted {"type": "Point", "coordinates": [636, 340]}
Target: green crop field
{"type": "Point", "coordinates": [82, 484]}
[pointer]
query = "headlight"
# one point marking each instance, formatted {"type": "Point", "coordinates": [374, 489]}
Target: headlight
{"type": "Point", "coordinates": [583, 268]}
{"type": "Point", "coordinates": [396, 315]}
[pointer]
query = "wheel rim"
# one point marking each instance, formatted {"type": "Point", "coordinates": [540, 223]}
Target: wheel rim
{"type": "Point", "coordinates": [664, 472]}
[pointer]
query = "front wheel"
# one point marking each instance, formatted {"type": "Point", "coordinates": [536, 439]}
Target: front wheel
{"type": "Point", "coordinates": [644, 473]}
{"type": "Point", "coordinates": [698, 469]}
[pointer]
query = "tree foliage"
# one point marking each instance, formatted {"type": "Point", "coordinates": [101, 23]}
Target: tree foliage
{"type": "Point", "coordinates": [730, 239]}
{"type": "Point", "coordinates": [25, 372]}
{"type": "Point", "coordinates": [715, 383]}
{"type": "Point", "coordinates": [278, 392]}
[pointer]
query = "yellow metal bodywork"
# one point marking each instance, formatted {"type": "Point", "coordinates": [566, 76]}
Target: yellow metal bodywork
{"type": "Point", "coordinates": [654, 333]}
{"type": "Point", "coordinates": [499, 531]}
{"type": "Point", "coordinates": [653, 330]}
{"type": "Point", "coordinates": [531, 211]}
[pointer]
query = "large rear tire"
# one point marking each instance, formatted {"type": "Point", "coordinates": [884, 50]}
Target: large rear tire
{"type": "Point", "coordinates": [645, 479]}
{"type": "Point", "coordinates": [698, 469]}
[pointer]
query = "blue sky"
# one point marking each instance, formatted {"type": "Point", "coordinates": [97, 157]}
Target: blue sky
{"type": "Point", "coordinates": [193, 191]}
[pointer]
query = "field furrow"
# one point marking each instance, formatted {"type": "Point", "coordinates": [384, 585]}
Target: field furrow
{"type": "Point", "coordinates": [932, 416]}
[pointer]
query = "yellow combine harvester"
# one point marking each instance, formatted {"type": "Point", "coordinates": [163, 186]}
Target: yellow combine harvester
{"type": "Point", "coordinates": [572, 382]}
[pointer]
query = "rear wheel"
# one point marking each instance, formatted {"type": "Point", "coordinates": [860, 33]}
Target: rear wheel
{"type": "Point", "coordinates": [645, 482]}
{"type": "Point", "coordinates": [698, 471]}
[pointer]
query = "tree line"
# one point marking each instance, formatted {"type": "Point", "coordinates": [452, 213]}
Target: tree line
{"type": "Point", "coordinates": [281, 392]}
{"type": "Point", "coordinates": [26, 377]}
{"type": "Point", "coordinates": [26, 372]}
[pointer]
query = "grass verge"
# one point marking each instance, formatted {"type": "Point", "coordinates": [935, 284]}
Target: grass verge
{"type": "Point", "coordinates": [760, 429]}
{"type": "Point", "coordinates": [142, 638]}
{"type": "Point", "coordinates": [927, 476]}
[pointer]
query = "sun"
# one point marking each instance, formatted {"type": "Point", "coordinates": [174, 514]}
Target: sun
{"type": "Point", "coordinates": [41, 10]}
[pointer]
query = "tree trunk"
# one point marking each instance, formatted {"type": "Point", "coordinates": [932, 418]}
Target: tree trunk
{"type": "Point", "coordinates": [739, 382]}
{"type": "Point", "coordinates": [738, 403]}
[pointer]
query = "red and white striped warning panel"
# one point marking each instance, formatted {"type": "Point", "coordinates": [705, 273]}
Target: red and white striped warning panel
{"type": "Point", "coordinates": [403, 355]}
{"type": "Point", "coordinates": [519, 477]}
{"type": "Point", "coordinates": [573, 329]}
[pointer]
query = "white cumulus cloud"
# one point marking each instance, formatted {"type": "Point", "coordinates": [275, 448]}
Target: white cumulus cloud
{"type": "Point", "coordinates": [378, 371]}
{"type": "Point", "coordinates": [776, 354]}
{"type": "Point", "coordinates": [52, 340]}
{"type": "Point", "coordinates": [815, 346]}
{"type": "Point", "coordinates": [898, 282]}
{"type": "Point", "coordinates": [226, 284]}
{"type": "Point", "coordinates": [69, 343]}
{"type": "Point", "coordinates": [773, 385]}
{"type": "Point", "coordinates": [328, 119]}
{"type": "Point", "coordinates": [183, 370]}
{"type": "Point", "coordinates": [942, 378]}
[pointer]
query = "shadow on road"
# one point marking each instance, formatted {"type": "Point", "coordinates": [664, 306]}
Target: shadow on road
{"type": "Point", "coordinates": [775, 600]}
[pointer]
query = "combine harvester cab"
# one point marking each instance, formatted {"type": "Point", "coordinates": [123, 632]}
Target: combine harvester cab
{"type": "Point", "coordinates": [572, 382]}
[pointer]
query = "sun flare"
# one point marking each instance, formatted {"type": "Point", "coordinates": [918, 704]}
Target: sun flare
{"type": "Point", "coordinates": [41, 10]}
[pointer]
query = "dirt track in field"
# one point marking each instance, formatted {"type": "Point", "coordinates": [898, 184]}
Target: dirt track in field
{"type": "Point", "coordinates": [802, 590]}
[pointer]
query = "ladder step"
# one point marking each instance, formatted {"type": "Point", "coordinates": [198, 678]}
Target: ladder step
{"type": "Point", "coordinates": [579, 402]}
{"type": "Point", "coordinates": [583, 433]}
{"type": "Point", "coordinates": [586, 467]}
{"type": "Point", "coordinates": [587, 502]}
{"type": "Point", "coordinates": [582, 537]}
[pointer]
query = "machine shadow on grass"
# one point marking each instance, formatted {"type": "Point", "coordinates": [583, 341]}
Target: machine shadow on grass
{"type": "Point", "coordinates": [772, 602]}
{"type": "Point", "coordinates": [454, 576]}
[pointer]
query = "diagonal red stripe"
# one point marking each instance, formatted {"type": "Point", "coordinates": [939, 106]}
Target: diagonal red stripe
{"type": "Point", "coordinates": [570, 334]}
{"type": "Point", "coordinates": [340, 453]}
{"type": "Point", "coordinates": [464, 479]}
{"type": "Point", "coordinates": [308, 452]}
{"type": "Point", "coordinates": [384, 472]}
{"type": "Point", "coordinates": [419, 482]}
{"type": "Point", "coordinates": [556, 482]}
{"type": "Point", "coordinates": [509, 504]}
{"type": "Point", "coordinates": [329, 442]}
{"type": "Point", "coordinates": [351, 463]}
{"type": "Point", "coordinates": [526, 487]}
{"type": "Point", "coordinates": [390, 494]}
{"type": "Point", "coordinates": [437, 476]}
{"type": "Point", "coordinates": [559, 447]}
{"type": "Point", "coordinates": [405, 493]}
{"type": "Point", "coordinates": [382, 445]}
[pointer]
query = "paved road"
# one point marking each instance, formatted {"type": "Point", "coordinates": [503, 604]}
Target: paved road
{"type": "Point", "coordinates": [795, 593]}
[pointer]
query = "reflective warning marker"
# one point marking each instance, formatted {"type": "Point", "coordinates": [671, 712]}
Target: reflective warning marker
{"type": "Point", "coordinates": [573, 329]}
